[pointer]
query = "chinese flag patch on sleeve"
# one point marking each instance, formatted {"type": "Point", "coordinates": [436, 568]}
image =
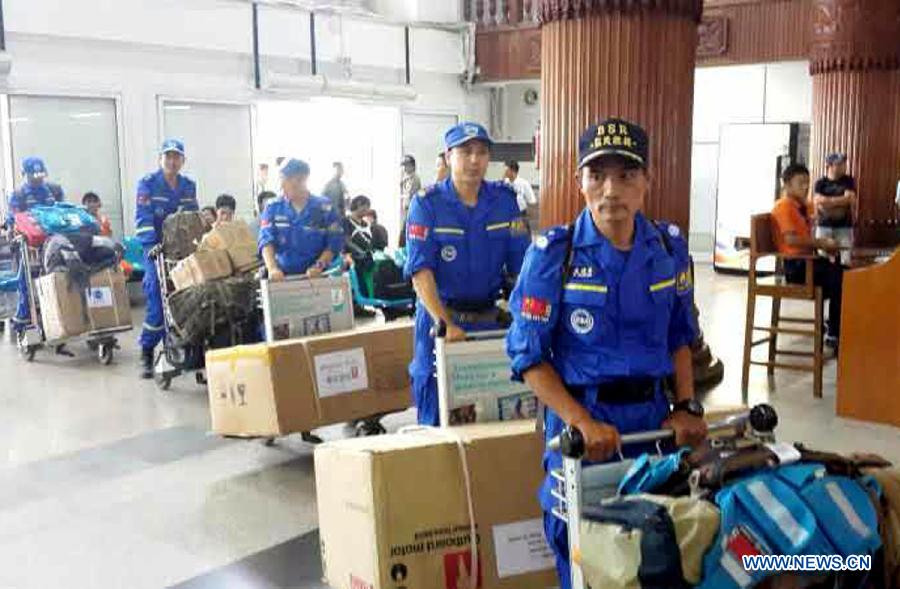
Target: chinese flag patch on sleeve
{"type": "Point", "coordinates": [419, 232]}
{"type": "Point", "coordinates": [536, 309]}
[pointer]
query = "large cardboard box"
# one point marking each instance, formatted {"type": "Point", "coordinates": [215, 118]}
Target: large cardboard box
{"type": "Point", "coordinates": [300, 307]}
{"type": "Point", "coordinates": [237, 240]}
{"type": "Point", "coordinates": [67, 311]}
{"type": "Point", "coordinates": [393, 510]}
{"type": "Point", "coordinates": [201, 267]}
{"type": "Point", "coordinates": [108, 305]}
{"type": "Point", "coordinates": [301, 384]}
{"type": "Point", "coordinates": [62, 306]}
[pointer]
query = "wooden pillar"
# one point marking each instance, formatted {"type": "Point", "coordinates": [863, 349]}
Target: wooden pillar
{"type": "Point", "coordinates": [855, 64]}
{"type": "Point", "coordinates": [628, 58]}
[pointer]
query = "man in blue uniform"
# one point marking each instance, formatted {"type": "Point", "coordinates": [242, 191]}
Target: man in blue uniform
{"type": "Point", "coordinates": [159, 195]}
{"type": "Point", "coordinates": [602, 315]}
{"type": "Point", "coordinates": [464, 236]}
{"type": "Point", "coordinates": [299, 232]}
{"type": "Point", "coordinates": [35, 191]}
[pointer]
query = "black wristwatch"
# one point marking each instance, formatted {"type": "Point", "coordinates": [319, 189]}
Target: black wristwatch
{"type": "Point", "coordinates": [689, 406]}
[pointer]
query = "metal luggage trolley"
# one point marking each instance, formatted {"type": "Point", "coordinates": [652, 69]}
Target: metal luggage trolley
{"type": "Point", "coordinates": [474, 380]}
{"type": "Point", "coordinates": [32, 338]}
{"type": "Point", "coordinates": [577, 486]}
{"type": "Point", "coordinates": [8, 296]}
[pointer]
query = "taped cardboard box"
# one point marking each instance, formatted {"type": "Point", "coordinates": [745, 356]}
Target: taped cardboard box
{"type": "Point", "coordinates": [301, 384]}
{"type": "Point", "coordinates": [393, 510]}
{"type": "Point", "coordinates": [108, 305]}
{"type": "Point", "coordinates": [236, 239]}
{"type": "Point", "coordinates": [201, 267]}
{"type": "Point", "coordinates": [62, 307]}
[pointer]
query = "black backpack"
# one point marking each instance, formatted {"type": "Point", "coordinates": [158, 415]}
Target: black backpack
{"type": "Point", "coordinates": [389, 282]}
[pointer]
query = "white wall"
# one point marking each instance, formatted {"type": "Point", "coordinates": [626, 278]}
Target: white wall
{"type": "Point", "coordinates": [139, 52]}
{"type": "Point", "coordinates": [758, 93]}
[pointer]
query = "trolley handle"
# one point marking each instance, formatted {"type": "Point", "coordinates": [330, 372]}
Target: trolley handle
{"type": "Point", "coordinates": [439, 331]}
{"type": "Point", "coordinates": [335, 269]}
{"type": "Point", "coordinates": [761, 418]}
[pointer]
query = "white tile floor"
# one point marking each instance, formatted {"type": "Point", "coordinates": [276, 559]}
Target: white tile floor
{"type": "Point", "coordinates": [106, 482]}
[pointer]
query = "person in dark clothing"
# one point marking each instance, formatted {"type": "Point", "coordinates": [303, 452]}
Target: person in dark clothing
{"type": "Point", "coordinates": [359, 245]}
{"type": "Point", "coordinates": [379, 233]}
{"type": "Point", "coordinates": [336, 191]}
{"type": "Point", "coordinates": [834, 198]}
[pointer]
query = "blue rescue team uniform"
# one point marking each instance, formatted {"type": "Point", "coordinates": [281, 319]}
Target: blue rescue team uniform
{"type": "Point", "coordinates": [608, 322]}
{"type": "Point", "coordinates": [21, 201]}
{"type": "Point", "coordinates": [300, 237]}
{"type": "Point", "coordinates": [156, 200]}
{"type": "Point", "coordinates": [468, 250]}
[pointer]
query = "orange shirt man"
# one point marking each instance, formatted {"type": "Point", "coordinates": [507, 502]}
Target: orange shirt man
{"type": "Point", "coordinates": [792, 234]}
{"type": "Point", "coordinates": [92, 203]}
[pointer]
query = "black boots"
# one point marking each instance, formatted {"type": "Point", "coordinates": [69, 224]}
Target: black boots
{"type": "Point", "coordinates": [147, 363]}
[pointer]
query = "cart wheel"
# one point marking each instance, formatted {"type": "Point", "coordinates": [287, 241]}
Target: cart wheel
{"type": "Point", "coordinates": [311, 438]}
{"type": "Point", "coordinates": [93, 346]}
{"type": "Point", "coordinates": [369, 428]}
{"type": "Point", "coordinates": [269, 442]}
{"type": "Point", "coordinates": [2, 326]}
{"type": "Point", "coordinates": [27, 352]}
{"type": "Point", "coordinates": [163, 382]}
{"type": "Point", "coordinates": [105, 353]}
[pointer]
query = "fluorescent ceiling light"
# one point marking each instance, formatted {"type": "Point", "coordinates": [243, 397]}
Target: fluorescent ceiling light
{"type": "Point", "coordinates": [177, 107]}
{"type": "Point", "coordinates": [86, 115]}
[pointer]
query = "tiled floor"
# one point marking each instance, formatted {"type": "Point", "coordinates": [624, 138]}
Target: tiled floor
{"type": "Point", "coordinates": [107, 482]}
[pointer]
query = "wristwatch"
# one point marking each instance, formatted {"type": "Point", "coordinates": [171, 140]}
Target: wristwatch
{"type": "Point", "coordinates": [689, 406]}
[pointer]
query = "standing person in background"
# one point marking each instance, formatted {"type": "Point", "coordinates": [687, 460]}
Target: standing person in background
{"type": "Point", "coordinates": [441, 169]}
{"type": "Point", "coordinates": [159, 195]}
{"type": "Point", "coordinates": [225, 207]}
{"type": "Point", "coordinates": [262, 199]}
{"type": "Point", "coordinates": [262, 178]}
{"type": "Point", "coordinates": [465, 238]}
{"type": "Point", "coordinates": [336, 191]}
{"type": "Point", "coordinates": [524, 192]}
{"type": "Point", "coordinates": [410, 184]}
{"type": "Point", "coordinates": [91, 201]}
{"type": "Point", "coordinates": [834, 198]}
{"type": "Point", "coordinates": [35, 190]}
{"type": "Point", "coordinates": [299, 232]}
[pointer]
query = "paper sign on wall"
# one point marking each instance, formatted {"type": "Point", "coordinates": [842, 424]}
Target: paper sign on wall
{"type": "Point", "coordinates": [521, 548]}
{"type": "Point", "coordinates": [341, 372]}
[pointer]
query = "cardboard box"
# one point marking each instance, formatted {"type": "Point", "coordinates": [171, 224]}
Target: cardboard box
{"type": "Point", "coordinates": [300, 307]}
{"type": "Point", "coordinates": [66, 311]}
{"type": "Point", "coordinates": [393, 510]}
{"type": "Point", "coordinates": [63, 312]}
{"type": "Point", "coordinates": [108, 305]}
{"type": "Point", "coordinates": [301, 384]}
{"type": "Point", "coordinates": [237, 240]}
{"type": "Point", "coordinates": [201, 267]}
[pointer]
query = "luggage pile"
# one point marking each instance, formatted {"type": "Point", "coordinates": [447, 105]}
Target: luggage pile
{"type": "Point", "coordinates": [61, 218]}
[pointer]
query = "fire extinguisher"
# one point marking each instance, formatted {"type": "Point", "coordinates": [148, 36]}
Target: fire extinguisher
{"type": "Point", "coordinates": [537, 146]}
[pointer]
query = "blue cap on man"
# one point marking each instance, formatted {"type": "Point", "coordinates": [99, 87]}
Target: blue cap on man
{"type": "Point", "coordinates": [170, 145]}
{"type": "Point", "coordinates": [835, 158]}
{"type": "Point", "coordinates": [465, 132]}
{"type": "Point", "coordinates": [294, 167]}
{"type": "Point", "coordinates": [34, 166]}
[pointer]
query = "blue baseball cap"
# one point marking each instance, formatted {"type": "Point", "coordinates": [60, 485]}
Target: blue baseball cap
{"type": "Point", "coordinates": [835, 158]}
{"type": "Point", "coordinates": [34, 166]}
{"type": "Point", "coordinates": [465, 132]}
{"type": "Point", "coordinates": [294, 167]}
{"type": "Point", "coordinates": [172, 145]}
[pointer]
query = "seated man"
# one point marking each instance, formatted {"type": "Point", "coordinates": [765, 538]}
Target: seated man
{"type": "Point", "coordinates": [379, 233]}
{"type": "Point", "coordinates": [225, 207]}
{"type": "Point", "coordinates": [792, 235]}
{"type": "Point", "coordinates": [91, 201]}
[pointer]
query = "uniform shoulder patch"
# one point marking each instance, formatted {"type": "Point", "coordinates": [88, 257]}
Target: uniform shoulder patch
{"type": "Point", "coordinates": [428, 191]}
{"type": "Point", "coordinates": [553, 235]}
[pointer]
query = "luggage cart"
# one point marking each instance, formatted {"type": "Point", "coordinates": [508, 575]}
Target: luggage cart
{"type": "Point", "coordinates": [577, 486]}
{"type": "Point", "coordinates": [32, 338]}
{"type": "Point", "coordinates": [8, 293]}
{"type": "Point", "coordinates": [474, 381]}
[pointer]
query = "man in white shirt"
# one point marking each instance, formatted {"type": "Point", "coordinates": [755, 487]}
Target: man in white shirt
{"type": "Point", "coordinates": [524, 192]}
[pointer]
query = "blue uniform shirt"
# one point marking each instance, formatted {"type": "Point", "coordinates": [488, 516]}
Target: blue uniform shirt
{"type": "Point", "coordinates": [28, 196]}
{"type": "Point", "coordinates": [300, 237]}
{"type": "Point", "coordinates": [468, 249]}
{"type": "Point", "coordinates": [614, 315]}
{"type": "Point", "coordinates": [156, 200]}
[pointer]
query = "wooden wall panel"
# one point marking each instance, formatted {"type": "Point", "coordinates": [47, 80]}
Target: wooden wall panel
{"type": "Point", "coordinates": [763, 31]}
{"type": "Point", "coordinates": [638, 66]}
{"type": "Point", "coordinates": [508, 53]}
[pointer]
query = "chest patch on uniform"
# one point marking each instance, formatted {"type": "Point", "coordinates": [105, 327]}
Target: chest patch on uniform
{"type": "Point", "coordinates": [448, 253]}
{"type": "Point", "coordinates": [581, 321]}
{"type": "Point", "coordinates": [541, 242]}
{"type": "Point", "coordinates": [583, 272]}
{"type": "Point", "coordinates": [535, 309]}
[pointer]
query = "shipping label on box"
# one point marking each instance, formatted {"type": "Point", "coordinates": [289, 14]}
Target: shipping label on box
{"type": "Point", "coordinates": [99, 297]}
{"type": "Point", "coordinates": [521, 548]}
{"type": "Point", "coordinates": [341, 372]}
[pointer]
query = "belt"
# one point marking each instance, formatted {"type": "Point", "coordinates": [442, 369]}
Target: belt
{"type": "Point", "coordinates": [619, 392]}
{"type": "Point", "coordinates": [464, 306]}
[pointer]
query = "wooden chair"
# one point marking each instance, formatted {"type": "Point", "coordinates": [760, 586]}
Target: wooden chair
{"type": "Point", "coordinates": [762, 245]}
